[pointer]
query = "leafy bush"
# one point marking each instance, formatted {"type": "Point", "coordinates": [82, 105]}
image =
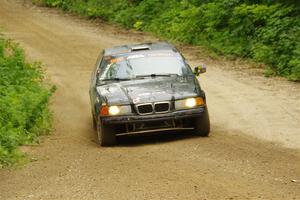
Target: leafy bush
{"type": "Point", "coordinates": [266, 31]}
{"type": "Point", "coordinates": [24, 113]}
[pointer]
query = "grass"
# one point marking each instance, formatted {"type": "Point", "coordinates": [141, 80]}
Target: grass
{"type": "Point", "coordinates": [24, 103]}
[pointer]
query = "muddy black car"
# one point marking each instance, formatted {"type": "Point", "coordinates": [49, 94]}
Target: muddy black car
{"type": "Point", "coordinates": [146, 88]}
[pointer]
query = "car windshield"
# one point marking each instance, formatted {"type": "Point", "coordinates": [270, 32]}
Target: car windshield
{"type": "Point", "coordinates": [124, 68]}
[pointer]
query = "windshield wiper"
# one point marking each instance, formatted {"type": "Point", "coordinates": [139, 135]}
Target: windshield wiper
{"type": "Point", "coordinates": [121, 79]}
{"type": "Point", "coordinates": [156, 75]}
{"type": "Point", "coordinates": [116, 79]}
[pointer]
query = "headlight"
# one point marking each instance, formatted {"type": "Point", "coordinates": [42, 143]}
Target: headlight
{"type": "Point", "coordinates": [115, 110]}
{"type": "Point", "coordinates": [189, 103]}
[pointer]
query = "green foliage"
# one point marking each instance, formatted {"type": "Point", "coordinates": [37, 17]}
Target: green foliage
{"type": "Point", "coordinates": [266, 31]}
{"type": "Point", "coordinates": [24, 113]}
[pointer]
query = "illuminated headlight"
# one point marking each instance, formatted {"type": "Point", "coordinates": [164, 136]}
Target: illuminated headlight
{"type": "Point", "coordinates": [115, 110]}
{"type": "Point", "coordinates": [189, 103]}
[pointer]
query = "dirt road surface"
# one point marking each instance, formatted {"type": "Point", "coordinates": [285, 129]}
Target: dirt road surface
{"type": "Point", "coordinates": [253, 151]}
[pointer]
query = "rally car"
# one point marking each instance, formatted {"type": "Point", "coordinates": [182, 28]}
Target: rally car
{"type": "Point", "coordinates": [143, 88]}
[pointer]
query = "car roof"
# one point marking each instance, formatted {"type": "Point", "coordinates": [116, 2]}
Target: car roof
{"type": "Point", "coordinates": [133, 48]}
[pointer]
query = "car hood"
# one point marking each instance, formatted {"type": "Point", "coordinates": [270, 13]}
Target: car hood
{"type": "Point", "coordinates": [148, 90]}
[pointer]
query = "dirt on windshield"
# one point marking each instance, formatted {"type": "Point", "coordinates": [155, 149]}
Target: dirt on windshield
{"type": "Point", "coordinates": [253, 151]}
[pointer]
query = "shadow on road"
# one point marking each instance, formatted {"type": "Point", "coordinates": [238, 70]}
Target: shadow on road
{"type": "Point", "coordinates": [153, 138]}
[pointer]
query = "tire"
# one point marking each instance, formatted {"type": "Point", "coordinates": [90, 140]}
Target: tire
{"type": "Point", "coordinates": [94, 123]}
{"type": "Point", "coordinates": [106, 135]}
{"type": "Point", "coordinates": [202, 125]}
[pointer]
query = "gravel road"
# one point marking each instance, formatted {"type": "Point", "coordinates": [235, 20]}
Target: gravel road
{"type": "Point", "coordinates": [253, 151]}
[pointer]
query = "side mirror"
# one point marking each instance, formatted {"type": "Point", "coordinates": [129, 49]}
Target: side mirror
{"type": "Point", "coordinates": [199, 70]}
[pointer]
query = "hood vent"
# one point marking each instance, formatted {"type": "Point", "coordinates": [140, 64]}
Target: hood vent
{"type": "Point", "coordinates": [140, 48]}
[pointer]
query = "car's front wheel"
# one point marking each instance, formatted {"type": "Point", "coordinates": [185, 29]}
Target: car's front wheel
{"type": "Point", "coordinates": [94, 123]}
{"type": "Point", "coordinates": [202, 125]}
{"type": "Point", "coordinates": [106, 135]}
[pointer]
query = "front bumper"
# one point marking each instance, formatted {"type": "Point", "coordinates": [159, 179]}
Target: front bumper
{"type": "Point", "coordinates": [176, 115]}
